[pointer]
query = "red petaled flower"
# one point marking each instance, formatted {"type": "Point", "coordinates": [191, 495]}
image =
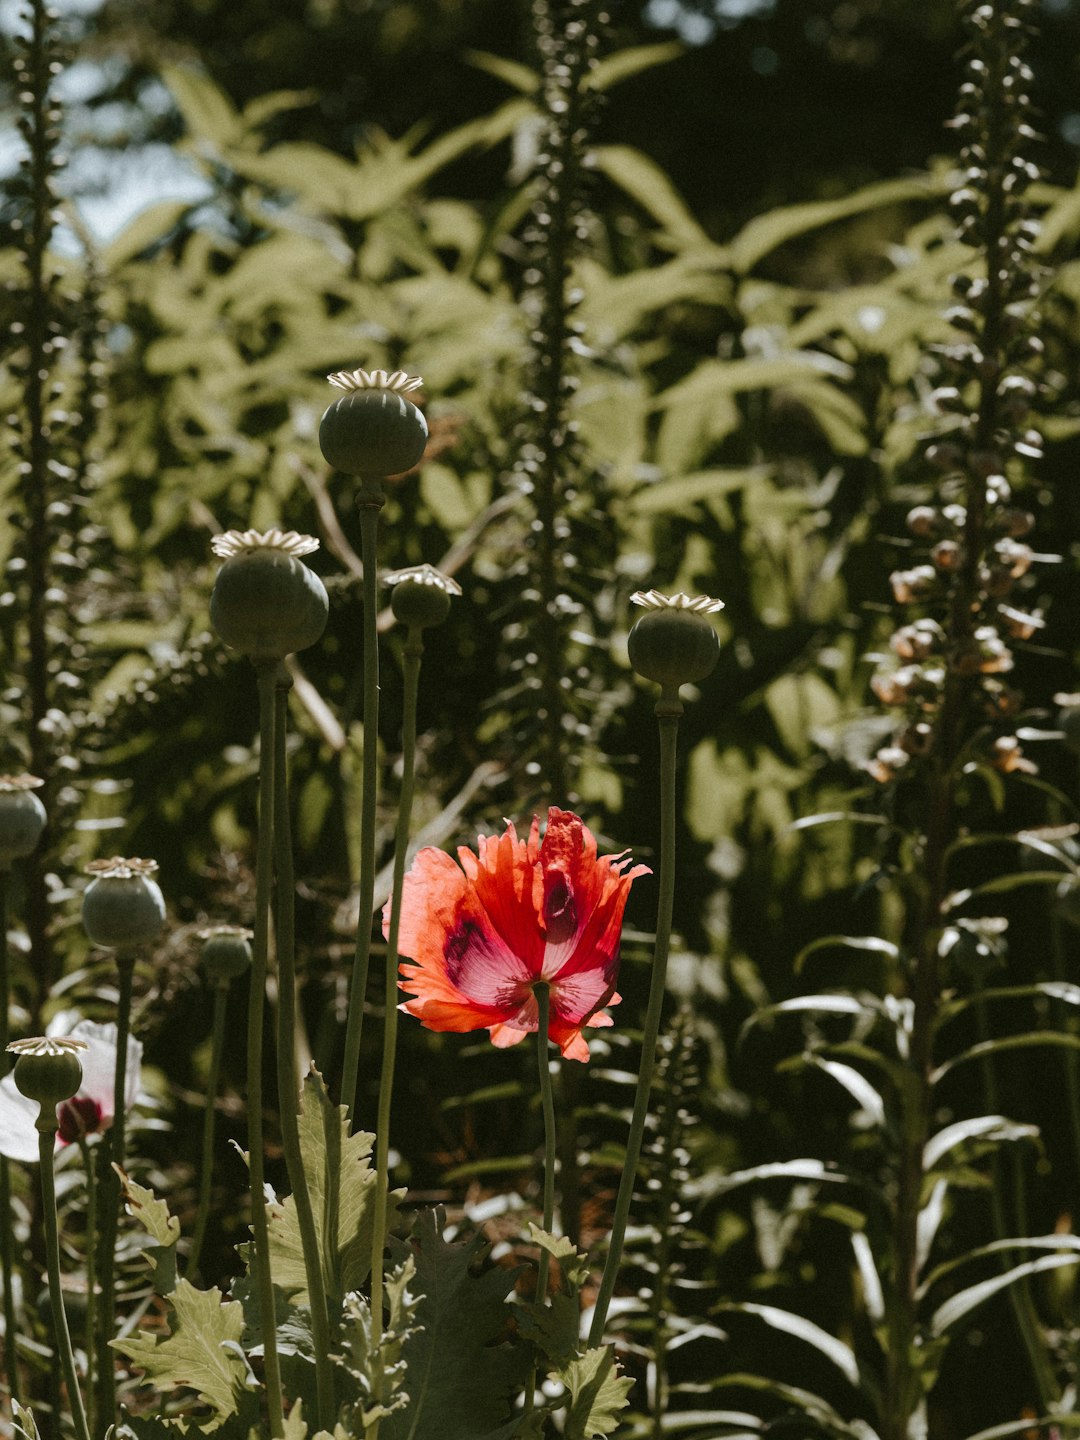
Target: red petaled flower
{"type": "Point", "coordinates": [520, 911]}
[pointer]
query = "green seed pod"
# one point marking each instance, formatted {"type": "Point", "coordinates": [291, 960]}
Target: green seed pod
{"type": "Point", "coordinates": [226, 952]}
{"type": "Point", "coordinates": [421, 595]}
{"type": "Point", "coordinates": [373, 429]}
{"type": "Point", "coordinates": [266, 602]}
{"type": "Point", "coordinates": [122, 906]}
{"type": "Point", "coordinates": [22, 817]}
{"type": "Point", "coordinates": [48, 1070]}
{"type": "Point", "coordinates": [674, 644]}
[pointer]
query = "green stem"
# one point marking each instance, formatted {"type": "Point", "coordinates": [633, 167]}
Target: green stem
{"type": "Point", "coordinates": [206, 1164]}
{"type": "Point", "coordinates": [110, 1217]}
{"type": "Point", "coordinates": [371, 500]}
{"type": "Point", "coordinates": [92, 1311]}
{"type": "Point", "coordinates": [668, 710]}
{"type": "Point", "coordinates": [414, 649]}
{"type": "Point", "coordinates": [288, 1077]}
{"type": "Point", "coordinates": [7, 1236]}
{"type": "Point", "coordinates": [543, 1019]}
{"type": "Point", "coordinates": [264, 879]}
{"type": "Point", "coordinates": [46, 1146]}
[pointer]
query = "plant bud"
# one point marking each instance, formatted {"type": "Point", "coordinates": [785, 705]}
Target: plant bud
{"type": "Point", "coordinates": [266, 602]}
{"type": "Point", "coordinates": [48, 1070]}
{"type": "Point", "coordinates": [674, 644]}
{"type": "Point", "coordinates": [122, 906]}
{"type": "Point", "coordinates": [22, 817]}
{"type": "Point", "coordinates": [226, 952]}
{"type": "Point", "coordinates": [373, 429]}
{"type": "Point", "coordinates": [421, 595]}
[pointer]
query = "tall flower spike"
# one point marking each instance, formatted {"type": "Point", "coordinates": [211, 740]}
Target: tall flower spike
{"type": "Point", "coordinates": [483, 933]}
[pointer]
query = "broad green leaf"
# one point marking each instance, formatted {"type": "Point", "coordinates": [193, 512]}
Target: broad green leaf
{"type": "Point", "coordinates": [341, 1183]}
{"type": "Point", "coordinates": [598, 1394]}
{"type": "Point", "coordinates": [683, 492]}
{"type": "Point", "coordinates": [768, 232]}
{"type": "Point", "coordinates": [25, 1423]}
{"type": "Point", "coordinates": [962, 1304]}
{"type": "Point", "coordinates": [202, 1352]}
{"type": "Point", "coordinates": [147, 228]}
{"type": "Point", "coordinates": [644, 181]}
{"type": "Point", "coordinates": [151, 1212]}
{"type": "Point", "coordinates": [981, 1127]}
{"type": "Point", "coordinates": [460, 1376]}
{"type": "Point", "coordinates": [277, 102]}
{"type": "Point", "coordinates": [798, 1326]}
{"type": "Point", "coordinates": [206, 109]}
{"type": "Point", "coordinates": [624, 64]}
{"type": "Point", "coordinates": [713, 378]}
{"type": "Point", "coordinates": [554, 1327]}
{"type": "Point", "coordinates": [379, 1369]}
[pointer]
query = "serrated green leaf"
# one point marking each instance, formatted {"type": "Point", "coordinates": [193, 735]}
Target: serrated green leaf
{"type": "Point", "coordinates": [341, 1182]}
{"type": "Point", "coordinates": [379, 1370]}
{"type": "Point", "coordinates": [151, 1212]}
{"type": "Point", "coordinates": [25, 1423]}
{"type": "Point", "coordinates": [461, 1377]}
{"type": "Point", "coordinates": [598, 1394]}
{"type": "Point", "coordinates": [202, 1352]}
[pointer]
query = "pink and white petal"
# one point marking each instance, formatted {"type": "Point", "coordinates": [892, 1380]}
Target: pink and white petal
{"type": "Point", "coordinates": [99, 1065]}
{"type": "Point", "coordinates": [504, 1035]}
{"type": "Point", "coordinates": [18, 1128]}
{"type": "Point", "coordinates": [574, 1047]}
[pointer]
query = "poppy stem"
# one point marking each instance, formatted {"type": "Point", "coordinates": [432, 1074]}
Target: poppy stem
{"type": "Point", "coordinates": [414, 649]}
{"type": "Point", "coordinates": [110, 1210]}
{"type": "Point", "coordinates": [543, 1020]}
{"type": "Point", "coordinates": [11, 1362]}
{"type": "Point", "coordinates": [46, 1147]}
{"type": "Point", "coordinates": [264, 880]}
{"type": "Point", "coordinates": [371, 500]}
{"type": "Point", "coordinates": [206, 1162]}
{"type": "Point", "coordinates": [287, 1069]}
{"type": "Point", "coordinates": [92, 1311]}
{"type": "Point", "coordinates": [668, 710]}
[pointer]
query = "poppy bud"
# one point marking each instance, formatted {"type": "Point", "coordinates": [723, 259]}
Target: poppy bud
{"type": "Point", "coordinates": [266, 602]}
{"type": "Point", "coordinates": [421, 595]}
{"type": "Point", "coordinates": [674, 644]}
{"type": "Point", "coordinates": [122, 906]}
{"type": "Point", "coordinates": [22, 817]}
{"type": "Point", "coordinates": [226, 952]}
{"type": "Point", "coordinates": [48, 1070]}
{"type": "Point", "coordinates": [373, 429]}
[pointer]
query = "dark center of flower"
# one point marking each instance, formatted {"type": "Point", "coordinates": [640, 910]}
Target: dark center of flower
{"type": "Point", "coordinates": [560, 913]}
{"type": "Point", "coordinates": [78, 1118]}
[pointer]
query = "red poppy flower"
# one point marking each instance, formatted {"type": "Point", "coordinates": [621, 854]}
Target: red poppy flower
{"type": "Point", "coordinates": [518, 912]}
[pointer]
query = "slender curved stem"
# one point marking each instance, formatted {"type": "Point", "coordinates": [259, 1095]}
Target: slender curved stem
{"type": "Point", "coordinates": [414, 649]}
{"type": "Point", "coordinates": [288, 1078]}
{"type": "Point", "coordinates": [371, 501]}
{"type": "Point", "coordinates": [206, 1163]}
{"type": "Point", "coordinates": [110, 1210]}
{"type": "Point", "coordinates": [543, 1021]}
{"type": "Point", "coordinates": [668, 711]}
{"type": "Point", "coordinates": [264, 880]}
{"type": "Point", "coordinates": [7, 1235]}
{"type": "Point", "coordinates": [46, 1147]}
{"type": "Point", "coordinates": [93, 1313]}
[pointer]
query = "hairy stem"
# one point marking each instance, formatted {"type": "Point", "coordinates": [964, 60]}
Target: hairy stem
{"type": "Point", "coordinates": [371, 501]}
{"type": "Point", "coordinates": [93, 1310]}
{"type": "Point", "coordinates": [668, 710]}
{"type": "Point", "coordinates": [206, 1162]}
{"type": "Point", "coordinates": [288, 1078]}
{"type": "Point", "coordinates": [414, 649]}
{"type": "Point", "coordinates": [46, 1148]}
{"type": "Point", "coordinates": [264, 881]}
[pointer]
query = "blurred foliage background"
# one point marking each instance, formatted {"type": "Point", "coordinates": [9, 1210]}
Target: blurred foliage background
{"type": "Point", "coordinates": [256, 195]}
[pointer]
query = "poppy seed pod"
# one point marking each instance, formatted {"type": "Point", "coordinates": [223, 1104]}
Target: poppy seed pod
{"type": "Point", "coordinates": [373, 429]}
{"type": "Point", "coordinates": [48, 1070]}
{"type": "Point", "coordinates": [421, 595]}
{"type": "Point", "coordinates": [226, 952]}
{"type": "Point", "coordinates": [266, 602]}
{"type": "Point", "coordinates": [122, 906]}
{"type": "Point", "coordinates": [674, 644]}
{"type": "Point", "coordinates": [22, 817]}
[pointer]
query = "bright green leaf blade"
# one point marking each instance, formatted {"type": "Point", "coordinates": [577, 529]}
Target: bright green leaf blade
{"type": "Point", "coordinates": [511, 72]}
{"type": "Point", "coordinates": [644, 181]}
{"type": "Point", "coordinates": [202, 1351]}
{"type": "Point", "coordinates": [207, 111]}
{"type": "Point", "coordinates": [624, 64]}
{"type": "Point", "coordinates": [598, 1394]}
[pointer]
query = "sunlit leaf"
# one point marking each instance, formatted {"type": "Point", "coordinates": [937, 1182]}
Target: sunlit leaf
{"type": "Point", "coordinates": [611, 70]}
{"type": "Point", "coordinates": [598, 1394]}
{"type": "Point", "coordinates": [962, 1304]}
{"type": "Point", "coordinates": [981, 1127]}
